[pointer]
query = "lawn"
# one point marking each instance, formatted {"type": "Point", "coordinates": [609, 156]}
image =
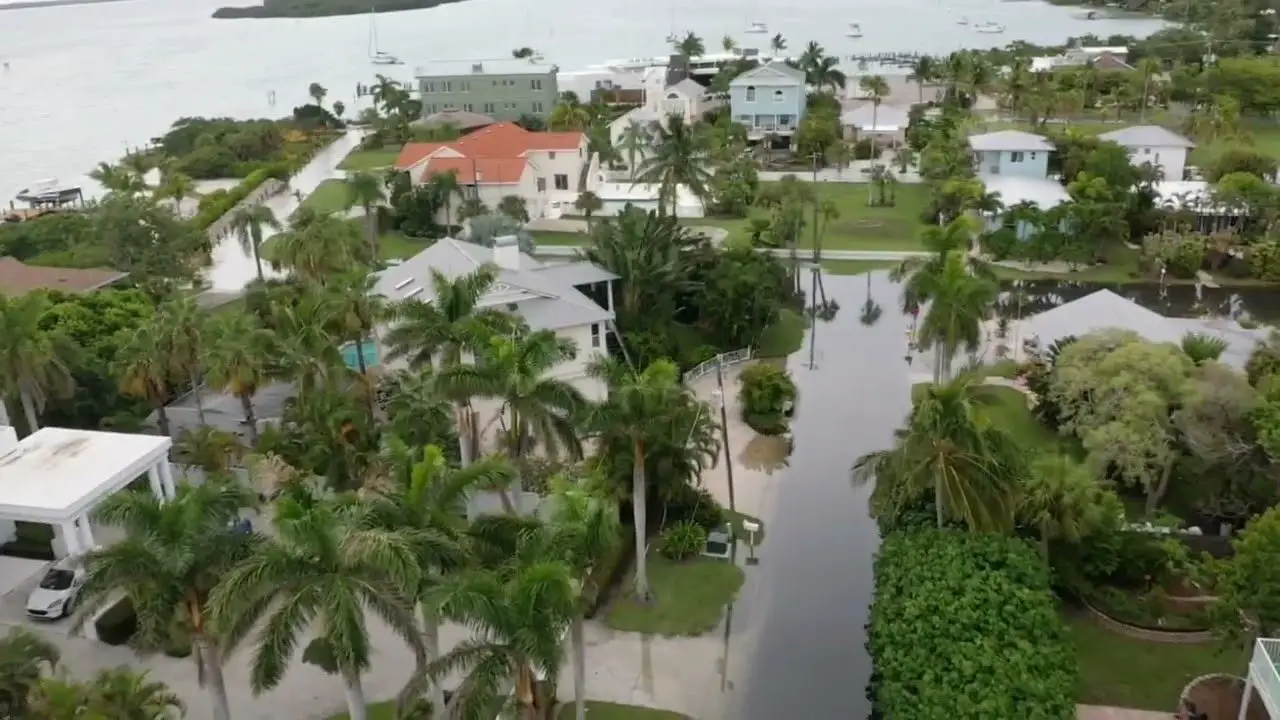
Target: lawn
{"type": "Point", "coordinates": [370, 159]}
{"type": "Point", "coordinates": [1010, 411]}
{"type": "Point", "coordinates": [330, 196]}
{"type": "Point", "coordinates": [1121, 671]}
{"type": "Point", "coordinates": [597, 710]}
{"type": "Point", "coordinates": [377, 711]}
{"type": "Point", "coordinates": [784, 336]}
{"type": "Point", "coordinates": [559, 237]}
{"type": "Point", "coordinates": [689, 598]}
{"type": "Point", "coordinates": [398, 246]}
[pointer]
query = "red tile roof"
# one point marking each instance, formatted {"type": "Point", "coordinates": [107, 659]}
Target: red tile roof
{"type": "Point", "coordinates": [496, 152]}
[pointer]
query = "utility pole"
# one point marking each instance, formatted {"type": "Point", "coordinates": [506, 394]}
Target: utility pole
{"type": "Point", "coordinates": [724, 431]}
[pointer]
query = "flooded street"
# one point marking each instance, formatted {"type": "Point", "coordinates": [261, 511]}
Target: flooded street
{"type": "Point", "coordinates": [795, 647]}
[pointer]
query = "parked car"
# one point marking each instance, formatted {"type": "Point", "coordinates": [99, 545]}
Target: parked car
{"type": "Point", "coordinates": [56, 595]}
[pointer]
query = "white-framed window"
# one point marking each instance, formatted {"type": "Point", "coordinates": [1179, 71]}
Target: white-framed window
{"type": "Point", "coordinates": [536, 84]}
{"type": "Point", "coordinates": [488, 107]}
{"type": "Point", "coordinates": [466, 107]}
{"type": "Point", "coordinates": [537, 107]}
{"type": "Point", "coordinates": [446, 86]}
{"type": "Point", "coordinates": [562, 181]}
{"type": "Point", "coordinates": [551, 155]}
{"type": "Point", "coordinates": [779, 96]}
{"type": "Point", "coordinates": [751, 93]}
{"type": "Point", "coordinates": [595, 335]}
{"type": "Point", "coordinates": [1016, 156]}
{"type": "Point", "coordinates": [542, 184]}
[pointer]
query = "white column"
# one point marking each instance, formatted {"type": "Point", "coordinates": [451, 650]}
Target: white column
{"type": "Point", "coordinates": [86, 533]}
{"type": "Point", "coordinates": [166, 478]}
{"type": "Point", "coordinates": [153, 474]}
{"type": "Point", "coordinates": [71, 538]}
{"type": "Point", "coordinates": [1248, 692]}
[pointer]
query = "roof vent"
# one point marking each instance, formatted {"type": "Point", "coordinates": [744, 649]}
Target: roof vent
{"type": "Point", "coordinates": [477, 67]}
{"type": "Point", "coordinates": [412, 293]}
{"type": "Point", "coordinates": [401, 285]}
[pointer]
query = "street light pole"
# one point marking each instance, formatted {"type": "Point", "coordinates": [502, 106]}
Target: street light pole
{"type": "Point", "coordinates": [724, 431]}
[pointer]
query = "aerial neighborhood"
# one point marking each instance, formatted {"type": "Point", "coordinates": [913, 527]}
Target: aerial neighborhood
{"type": "Point", "coordinates": [747, 381]}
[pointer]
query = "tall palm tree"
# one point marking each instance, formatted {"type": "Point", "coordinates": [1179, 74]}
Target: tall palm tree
{"type": "Point", "coordinates": [365, 189]}
{"type": "Point", "coordinates": [916, 274]}
{"type": "Point", "coordinates": [417, 412]}
{"type": "Point", "coordinates": [248, 223]}
{"type": "Point", "coordinates": [877, 89]}
{"type": "Point", "coordinates": [118, 179]}
{"type": "Point", "coordinates": [33, 365]}
{"type": "Point", "coordinates": [950, 450]}
{"type": "Point", "coordinates": [777, 44]}
{"type": "Point", "coordinates": [446, 188]}
{"type": "Point", "coordinates": [636, 141]}
{"type": "Point", "coordinates": [1062, 500]}
{"type": "Point", "coordinates": [679, 158]}
{"type": "Point", "coordinates": [172, 555]}
{"type": "Point", "coordinates": [323, 568]}
{"type": "Point", "coordinates": [239, 360]}
{"type": "Point", "coordinates": [316, 246]}
{"type": "Point", "coordinates": [958, 304]}
{"type": "Point", "coordinates": [357, 311]}
{"type": "Point", "coordinates": [690, 46]}
{"type": "Point", "coordinates": [728, 44]}
{"type": "Point", "coordinates": [24, 658]}
{"type": "Point", "coordinates": [923, 69]}
{"type": "Point", "coordinates": [142, 372]}
{"type": "Point", "coordinates": [180, 329]}
{"type": "Point", "coordinates": [536, 409]}
{"type": "Point", "coordinates": [419, 494]}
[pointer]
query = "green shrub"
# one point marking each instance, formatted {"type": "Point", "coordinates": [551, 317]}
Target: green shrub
{"type": "Point", "coordinates": [767, 396]}
{"type": "Point", "coordinates": [219, 203]}
{"type": "Point", "coordinates": [964, 627]}
{"type": "Point", "coordinates": [118, 624]}
{"type": "Point", "coordinates": [682, 541]}
{"type": "Point", "coordinates": [686, 503]}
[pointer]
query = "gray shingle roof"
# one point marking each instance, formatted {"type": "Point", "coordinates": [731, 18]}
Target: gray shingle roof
{"type": "Point", "coordinates": [544, 295]}
{"type": "Point", "coordinates": [1009, 140]}
{"type": "Point", "coordinates": [1147, 136]}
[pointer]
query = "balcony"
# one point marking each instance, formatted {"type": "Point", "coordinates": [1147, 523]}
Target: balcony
{"type": "Point", "coordinates": [1263, 676]}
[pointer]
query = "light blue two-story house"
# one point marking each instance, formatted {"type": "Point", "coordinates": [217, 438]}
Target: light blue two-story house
{"type": "Point", "coordinates": [1010, 152]}
{"type": "Point", "coordinates": [769, 99]}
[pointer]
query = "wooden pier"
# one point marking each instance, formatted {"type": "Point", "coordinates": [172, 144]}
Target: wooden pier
{"type": "Point", "coordinates": [897, 59]}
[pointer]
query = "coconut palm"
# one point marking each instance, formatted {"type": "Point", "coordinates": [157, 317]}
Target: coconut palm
{"type": "Point", "coordinates": [417, 412]}
{"type": "Point", "coordinates": [728, 44]}
{"type": "Point", "coordinates": [248, 223]}
{"type": "Point", "coordinates": [358, 311]}
{"type": "Point", "coordinates": [636, 142]}
{"type": "Point", "coordinates": [950, 450]}
{"type": "Point", "coordinates": [365, 190]}
{"type": "Point", "coordinates": [316, 246]}
{"type": "Point", "coordinates": [317, 92]}
{"type": "Point", "coordinates": [877, 89]}
{"type": "Point", "coordinates": [690, 46]}
{"type": "Point", "coordinates": [213, 450]}
{"type": "Point", "coordinates": [180, 331]}
{"type": "Point", "coordinates": [923, 69]}
{"type": "Point", "coordinates": [142, 373]}
{"type": "Point", "coordinates": [321, 570]}
{"type": "Point", "coordinates": [958, 304]}
{"type": "Point", "coordinates": [239, 360]}
{"type": "Point", "coordinates": [1061, 500]}
{"type": "Point", "coordinates": [419, 494]}
{"type": "Point", "coordinates": [172, 555]}
{"type": "Point", "coordinates": [777, 44]}
{"type": "Point", "coordinates": [24, 658]}
{"type": "Point", "coordinates": [118, 179]}
{"type": "Point", "coordinates": [445, 187]}
{"type": "Point", "coordinates": [177, 187]}
{"type": "Point", "coordinates": [33, 365]}
{"type": "Point", "coordinates": [679, 158]}
{"type": "Point", "coordinates": [940, 241]}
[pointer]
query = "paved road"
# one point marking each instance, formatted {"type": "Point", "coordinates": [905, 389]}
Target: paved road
{"type": "Point", "coordinates": [232, 267]}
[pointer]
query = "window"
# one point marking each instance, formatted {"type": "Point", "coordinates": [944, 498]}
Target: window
{"type": "Point", "coordinates": [751, 93]}
{"type": "Point", "coordinates": [542, 184]}
{"type": "Point", "coordinates": [537, 107]}
{"type": "Point", "coordinates": [785, 120]}
{"type": "Point", "coordinates": [509, 106]}
{"type": "Point", "coordinates": [429, 87]}
{"type": "Point", "coordinates": [1146, 151]}
{"type": "Point", "coordinates": [495, 83]}
{"type": "Point", "coordinates": [562, 181]}
{"type": "Point", "coordinates": [536, 84]}
{"type": "Point", "coordinates": [466, 107]}
{"type": "Point", "coordinates": [551, 155]}
{"type": "Point", "coordinates": [488, 107]}
{"type": "Point", "coordinates": [673, 96]}
{"type": "Point", "coordinates": [447, 86]}
{"type": "Point", "coordinates": [595, 335]}
{"type": "Point", "coordinates": [465, 86]}
{"type": "Point", "coordinates": [1033, 156]}
{"type": "Point", "coordinates": [430, 108]}
{"type": "Point", "coordinates": [744, 119]}
{"type": "Point", "coordinates": [779, 96]}
{"type": "Point", "coordinates": [1016, 156]}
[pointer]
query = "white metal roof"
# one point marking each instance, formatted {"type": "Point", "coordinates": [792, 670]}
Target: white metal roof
{"type": "Point", "coordinates": [1147, 136]}
{"type": "Point", "coordinates": [1045, 193]}
{"type": "Point", "coordinates": [57, 473]}
{"type": "Point", "coordinates": [868, 118]}
{"type": "Point", "coordinates": [1010, 140]}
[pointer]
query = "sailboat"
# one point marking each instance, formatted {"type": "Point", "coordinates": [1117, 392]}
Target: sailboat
{"type": "Point", "coordinates": [376, 56]}
{"type": "Point", "coordinates": [757, 28]}
{"type": "Point", "coordinates": [854, 31]}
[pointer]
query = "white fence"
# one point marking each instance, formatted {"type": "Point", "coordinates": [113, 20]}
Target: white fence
{"type": "Point", "coordinates": [1263, 675]}
{"type": "Point", "coordinates": [723, 360]}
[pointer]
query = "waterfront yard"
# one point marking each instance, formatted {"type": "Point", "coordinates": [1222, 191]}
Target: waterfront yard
{"type": "Point", "coordinates": [689, 598]}
{"type": "Point", "coordinates": [370, 159]}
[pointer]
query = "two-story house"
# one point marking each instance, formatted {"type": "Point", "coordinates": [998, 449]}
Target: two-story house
{"type": "Point", "coordinates": [1011, 152]}
{"type": "Point", "coordinates": [769, 99]}
{"type": "Point", "coordinates": [544, 168]}
{"type": "Point", "coordinates": [1153, 145]}
{"type": "Point", "coordinates": [686, 98]}
{"type": "Point", "coordinates": [501, 89]}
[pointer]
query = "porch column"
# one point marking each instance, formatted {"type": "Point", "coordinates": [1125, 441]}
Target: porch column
{"type": "Point", "coordinates": [166, 478]}
{"type": "Point", "coordinates": [86, 533]}
{"type": "Point", "coordinates": [153, 475]}
{"type": "Point", "coordinates": [71, 538]}
{"type": "Point", "coordinates": [1248, 691]}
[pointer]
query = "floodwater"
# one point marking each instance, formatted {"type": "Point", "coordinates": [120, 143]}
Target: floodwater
{"type": "Point", "coordinates": [1260, 304]}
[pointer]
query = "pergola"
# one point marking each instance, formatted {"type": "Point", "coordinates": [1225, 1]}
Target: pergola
{"type": "Point", "coordinates": [56, 476]}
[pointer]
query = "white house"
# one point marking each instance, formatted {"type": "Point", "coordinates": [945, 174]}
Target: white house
{"type": "Point", "coordinates": [1011, 152]}
{"type": "Point", "coordinates": [616, 196]}
{"type": "Point", "coordinates": [544, 168]}
{"type": "Point", "coordinates": [886, 124]}
{"type": "Point", "coordinates": [1153, 145]}
{"type": "Point", "coordinates": [574, 299]}
{"type": "Point", "coordinates": [686, 98]}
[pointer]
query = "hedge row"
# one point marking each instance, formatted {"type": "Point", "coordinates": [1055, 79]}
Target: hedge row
{"type": "Point", "coordinates": [219, 203]}
{"type": "Point", "coordinates": [965, 627]}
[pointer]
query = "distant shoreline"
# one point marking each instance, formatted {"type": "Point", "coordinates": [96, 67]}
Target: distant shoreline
{"type": "Point", "coordinates": [319, 8]}
{"type": "Point", "coordinates": [26, 4]}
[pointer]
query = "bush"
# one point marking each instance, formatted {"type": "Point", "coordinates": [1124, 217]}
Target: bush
{"type": "Point", "coordinates": [216, 205]}
{"type": "Point", "coordinates": [768, 397]}
{"type": "Point", "coordinates": [33, 541]}
{"type": "Point", "coordinates": [118, 624]}
{"type": "Point", "coordinates": [686, 503]}
{"type": "Point", "coordinates": [964, 627]}
{"type": "Point", "coordinates": [1001, 243]}
{"type": "Point", "coordinates": [866, 149]}
{"type": "Point", "coordinates": [682, 541]}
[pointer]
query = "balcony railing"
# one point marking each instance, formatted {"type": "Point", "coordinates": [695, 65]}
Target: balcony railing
{"type": "Point", "coordinates": [1263, 674]}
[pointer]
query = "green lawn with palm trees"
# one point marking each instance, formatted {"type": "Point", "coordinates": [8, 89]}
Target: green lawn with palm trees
{"type": "Point", "coordinates": [330, 196]}
{"type": "Point", "coordinates": [689, 598]}
{"type": "Point", "coordinates": [384, 157]}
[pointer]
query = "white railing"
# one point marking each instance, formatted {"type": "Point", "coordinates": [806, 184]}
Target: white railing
{"type": "Point", "coordinates": [1263, 675]}
{"type": "Point", "coordinates": [723, 360]}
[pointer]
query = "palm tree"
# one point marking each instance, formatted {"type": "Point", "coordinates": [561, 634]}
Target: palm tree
{"type": "Point", "coordinates": [24, 658]}
{"type": "Point", "coordinates": [122, 694]}
{"type": "Point", "coordinates": [588, 203]}
{"type": "Point", "coordinates": [358, 311]}
{"type": "Point", "coordinates": [118, 179]}
{"type": "Point", "coordinates": [923, 69]}
{"type": "Point", "coordinates": [177, 187]}
{"type": "Point", "coordinates": [32, 361]}
{"type": "Point", "coordinates": [180, 328]}
{"type": "Point", "coordinates": [1202, 347]}
{"type": "Point", "coordinates": [317, 92]}
{"type": "Point", "coordinates": [316, 246]}
{"type": "Point", "coordinates": [679, 158]}
{"type": "Point", "coordinates": [247, 223]}
{"type": "Point", "coordinates": [777, 44]}
{"type": "Point", "coordinates": [636, 141]}
{"type": "Point", "coordinates": [142, 372]}
{"type": "Point", "coordinates": [419, 494]}
{"type": "Point", "coordinates": [958, 303]}
{"type": "Point", "coordinates": [445, 186]}
{"type": "Point", "coordinates": [365, 190]}
{"type": "Point", "coordinates": [728, 44]}
{"type": "Point", "coordinates": [172, 555]}
{"type": "Point", "coordinates": [940, 241]}
{"type": "Point", "coordinates": [877, 89]}
{"type": "Point", "coordinates": [239, 360]}
{"type": "Point", "coordinates": [948, 448]}
{"type": "Point", "coordinates": [321, 569]}
{"type": "Point", "coordinates": [1061, 500]}
{"type": "Point", "coordinates": [638, 408]}
{"type": "Point", "coordinates": [690, 46]}
{"type": "Point", "coordinates": [417, 412]}
{"type": "Point", "coordinates": [214, 451]}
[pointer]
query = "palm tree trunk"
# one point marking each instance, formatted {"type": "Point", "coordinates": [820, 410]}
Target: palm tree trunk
{"type": "Point", "coordinates": [431, 642]}
{"type": "Point", "coordinates": [371, 223]}
{"type": "Point", "coordinates": [579, 668]}
{"type": "Point", "coordinates": [195, 393]}
{"type": "Point", "coordinates": [257, 260]}
{"type": "Point", "coordinates": [29, 410]}
{"type": "Point", "coordinates": [355, 696]}
{"type": "Point", "coordinates": [464, 435]}
{"type": "Point", "coordinates": [212, 661]}
{"type": "Point", "coordinates": [640, 513]}
{"type": "Point", "coordinates": [250, 418]}
{"type": "Point", "coordinates": [360, 357]}
{"type": "Point", "coordinates": [937, 498]}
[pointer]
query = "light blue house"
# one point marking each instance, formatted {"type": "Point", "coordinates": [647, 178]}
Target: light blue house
{"type": "Point", "coordinates": [769, 99]}
{"type": "Point", "coordinates": [1010, 152]}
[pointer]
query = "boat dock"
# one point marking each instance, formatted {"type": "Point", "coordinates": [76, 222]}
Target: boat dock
{"type": "Point", "coordinates": [897, 59]}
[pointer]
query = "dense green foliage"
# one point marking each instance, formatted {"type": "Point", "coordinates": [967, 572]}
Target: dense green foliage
{"type": "Point", "coordinates": [964, 627]}
{"type": "Point", "coordinates": [211, 148]}
{"type": "Point", "coordinates": [768, 396]}
{"type": "Point", "coordinates": [320, 8]}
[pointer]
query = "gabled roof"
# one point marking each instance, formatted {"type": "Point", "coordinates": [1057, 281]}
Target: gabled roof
{"type": "Point", "coordinates": [1098, 311]}
{"type": "Point", "coordinates": [18, 278]}
{"type": "Point", "coordinates": [776, 72]}
{"type": "Point", "coordinates": [544, 295]}
{"type": "Point", "coordinates": [1009, 140]}
{"type": "Point", "coordinates": [1147, 136]}
{"type": "Point", "coordinates": [496, 154]}
{"type": "Point", "coordinates": [688, 87]}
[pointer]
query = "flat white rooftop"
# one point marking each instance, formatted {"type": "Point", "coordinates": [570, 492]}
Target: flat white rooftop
{"type": "Point", "coordinates": [56, 473]}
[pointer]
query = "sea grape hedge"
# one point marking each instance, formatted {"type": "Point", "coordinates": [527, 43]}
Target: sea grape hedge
{"type": "Point", "coordinates": [964, 627]}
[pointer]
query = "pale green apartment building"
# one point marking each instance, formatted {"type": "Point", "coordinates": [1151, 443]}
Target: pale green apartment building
{"type": "Point", "coordinates": [502, 89]}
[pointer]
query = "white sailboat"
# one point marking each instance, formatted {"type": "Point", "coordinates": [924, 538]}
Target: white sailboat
{"type": "Point", "coordinates": [991, 28]}
{"type": "Point", "coordinates": [376, 56]}
{"type": "Point", "coordinates": [963, 21]}
{"type": "Point", "coordinates": [854, 31]}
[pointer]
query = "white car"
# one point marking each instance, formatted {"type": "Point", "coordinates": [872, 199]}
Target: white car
{"type": "Point", "coordinates": [55, 597]}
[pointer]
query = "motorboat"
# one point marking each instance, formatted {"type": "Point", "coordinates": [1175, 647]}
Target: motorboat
{"type": "Point", "coordinates": [383, 58]}
{"type": "Point", "coordinates": [991, 28]}
{"type": "Point", "coordinates": [46, 193]}
{"type": "Point", "coordinates": [757, 28]}
{"type": "Point", "coordinates": [963, 21]}
{"type": "Point", "coordinates": [854, 31]}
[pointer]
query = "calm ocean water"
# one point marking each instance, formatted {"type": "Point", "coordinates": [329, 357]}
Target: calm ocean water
{"type": "Point", "coordinates": [85, 82]}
